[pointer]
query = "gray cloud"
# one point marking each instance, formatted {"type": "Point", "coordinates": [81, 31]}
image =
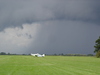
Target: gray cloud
{"type": "Point", "coordinates": [66, 26]}
{"type": "Point", "coordinates": [16, 13]}
{"type": "Point", "coordinates": [75, 37]}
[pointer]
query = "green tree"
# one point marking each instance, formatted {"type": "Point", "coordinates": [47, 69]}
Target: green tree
{"type": "Point", "coordinates": [2, 53]}
{"type": "Point", "coordinates": [97, 47]}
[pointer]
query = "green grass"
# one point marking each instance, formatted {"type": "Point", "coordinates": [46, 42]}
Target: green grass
{"type": "Point", "coordinates": [49, 65]}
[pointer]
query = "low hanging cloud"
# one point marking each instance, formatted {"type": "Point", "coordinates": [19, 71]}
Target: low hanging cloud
{"type": "Point", "coordinates": [12, 39]}
{"type": "Point", "coordinates": [49, 26]}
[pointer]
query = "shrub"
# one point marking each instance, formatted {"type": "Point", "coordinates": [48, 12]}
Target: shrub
{"type": "Point", "coordinates": [98, 54]}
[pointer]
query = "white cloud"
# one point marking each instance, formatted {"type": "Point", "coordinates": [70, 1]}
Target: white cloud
{"type": "Point", "coordinates": [14, 38]}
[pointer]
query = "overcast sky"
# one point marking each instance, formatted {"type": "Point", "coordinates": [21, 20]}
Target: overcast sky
{"type": "Point", "coordinates": [49, 26]}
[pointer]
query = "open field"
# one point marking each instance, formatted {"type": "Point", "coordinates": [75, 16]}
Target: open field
{"type": "Point", "coordinates": [49, 65]}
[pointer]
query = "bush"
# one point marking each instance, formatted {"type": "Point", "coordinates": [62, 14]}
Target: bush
{"type": "Point", "coordinates": [90, 55]}
{"type": "Point", "coordinates": [98, 54]}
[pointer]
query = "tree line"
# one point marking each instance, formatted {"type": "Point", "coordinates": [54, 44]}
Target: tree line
{"type": "Point", "coordinates": [4, 53]}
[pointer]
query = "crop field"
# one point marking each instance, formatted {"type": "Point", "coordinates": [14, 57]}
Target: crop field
{"type": "Point", "coordinates": [49, 65]}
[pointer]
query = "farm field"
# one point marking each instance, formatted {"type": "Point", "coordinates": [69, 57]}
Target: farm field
{"type": "Point", "coordinates": [49, 65]}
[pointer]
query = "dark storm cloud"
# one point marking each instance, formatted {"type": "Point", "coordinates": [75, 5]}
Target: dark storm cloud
{"type": "Point", "coordinates": [66, 26]}
{"type": "Point", "coordinates": [17, 12]}
{"type": "Point", "coordinates": [66, 37]}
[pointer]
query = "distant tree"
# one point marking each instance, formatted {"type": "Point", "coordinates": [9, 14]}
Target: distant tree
{"type": "Point", "coordinates": [2, 53]}
{"type": "Point", "coordinates": [55, 54]}
{"type": "Point", "coordinates": [23, 54]}
{"type": "Point", "coordinates": [89, 54]}
{"type": "Point", "coordinates": [61, 54]}
{"type": "Point", "coordinates": [8, 53]}
{"type": "Point", "coordinates": [97, 47]}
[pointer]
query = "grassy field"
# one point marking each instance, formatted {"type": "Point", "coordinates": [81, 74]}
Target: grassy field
{"type": "Point", "coordinates": [49, 65]}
